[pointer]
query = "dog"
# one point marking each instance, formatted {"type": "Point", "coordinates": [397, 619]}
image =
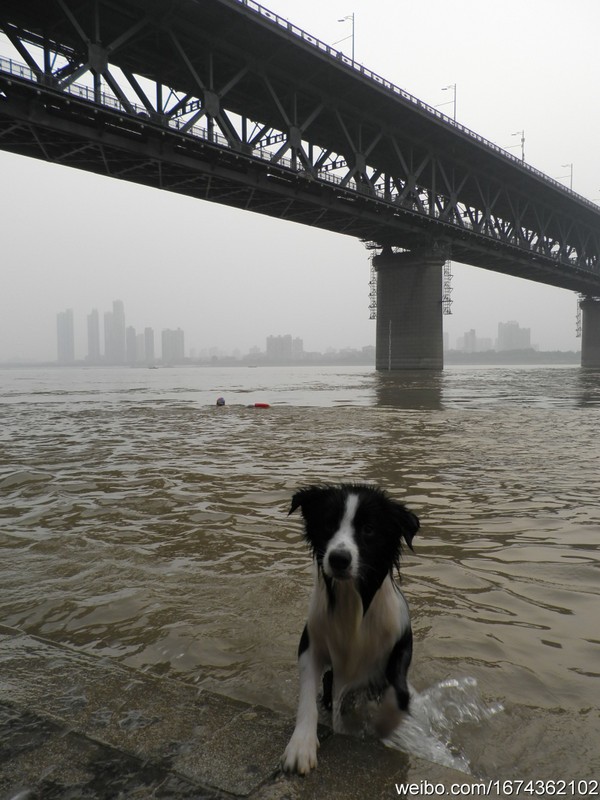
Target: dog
{"type": "Point", "coordinates": [358, 633]}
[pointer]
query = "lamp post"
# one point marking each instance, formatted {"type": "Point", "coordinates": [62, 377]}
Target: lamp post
{"type": "Point", "coordinates": [345, 19]}
{"type": "Point", "coordinates": [453, 101]}
{"type": "Point", "coordinates": [522, 135]}
{"type": "Point", "coordinates": [570, 175]}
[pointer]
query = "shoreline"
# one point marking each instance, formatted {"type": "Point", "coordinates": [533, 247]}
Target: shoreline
{"type": "Point", "coordinates": [451, 358]}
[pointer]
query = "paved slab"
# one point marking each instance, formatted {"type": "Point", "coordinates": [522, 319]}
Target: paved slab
{"type": "Point", "coordinates": [76, 726]}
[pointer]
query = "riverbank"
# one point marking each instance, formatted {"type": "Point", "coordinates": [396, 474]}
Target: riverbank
{"type": "Point", "coordinates": [73, 726]}
{"type": "Point", "coordinates": [451, 357]}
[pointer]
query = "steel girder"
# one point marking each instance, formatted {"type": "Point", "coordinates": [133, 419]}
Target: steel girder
{"type": "Point", "coordinates": [221, 100]}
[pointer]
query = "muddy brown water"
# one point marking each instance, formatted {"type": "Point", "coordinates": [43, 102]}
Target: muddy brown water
{"type": "Point", "coordinates": [142, 523]}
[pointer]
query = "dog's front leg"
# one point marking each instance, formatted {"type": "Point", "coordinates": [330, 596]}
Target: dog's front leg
{"type": "Point", "coordinates": [301, 753]}
{"type": "Point", "coordinates": [396, 699]}
{"type": "Point", "coordinates": [336, 713]}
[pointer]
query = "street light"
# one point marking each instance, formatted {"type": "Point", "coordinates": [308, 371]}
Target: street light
{"type": "Point", "coordinates": [522, 135]}
{"type": "Point", "coordinates": [345, 19]}
{"type": "Point", "coordinates": [453, 101]}
{"type": "Point", "coordinates": [570, 175]}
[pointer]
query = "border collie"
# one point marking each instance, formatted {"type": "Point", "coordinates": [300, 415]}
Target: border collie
{"type": "Point", "coordinates": [358, 633]}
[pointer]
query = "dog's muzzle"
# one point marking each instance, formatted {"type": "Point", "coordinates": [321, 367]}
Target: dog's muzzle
{"type": "Point", "coordinates": [340, 564]}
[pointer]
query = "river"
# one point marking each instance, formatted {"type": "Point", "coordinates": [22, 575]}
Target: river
{"type": "Point", "coordinates": [145, 524]}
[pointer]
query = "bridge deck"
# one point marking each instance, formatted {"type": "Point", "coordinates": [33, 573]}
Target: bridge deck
{"type": "Point", "coordinates": [224, 101]}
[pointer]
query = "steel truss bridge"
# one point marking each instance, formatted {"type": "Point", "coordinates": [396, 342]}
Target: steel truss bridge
{"type": "Point", "coordinates": [225, 101]}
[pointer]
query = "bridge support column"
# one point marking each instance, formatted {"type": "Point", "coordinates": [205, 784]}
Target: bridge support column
{"type": "Point", "coordinates": [590, 332]}
{"type": "Point", "coordinates": [409, 310]}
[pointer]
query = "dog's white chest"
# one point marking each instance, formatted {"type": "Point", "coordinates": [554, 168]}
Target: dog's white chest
{"type": "Point", "coordinates": [358, 644]}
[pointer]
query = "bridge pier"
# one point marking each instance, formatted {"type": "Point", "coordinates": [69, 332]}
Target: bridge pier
{"type": "Point", "coordinates": [590, 332]}
{"type": "Point", "coordinates": [409, 310]}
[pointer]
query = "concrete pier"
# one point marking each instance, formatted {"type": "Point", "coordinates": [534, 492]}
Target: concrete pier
{"type": "Point", "coordinates": [590, 332]}
{"type": "Point", "coordinates": [73, 725]}
{"type": "Point", "coordinates": [409, 310]}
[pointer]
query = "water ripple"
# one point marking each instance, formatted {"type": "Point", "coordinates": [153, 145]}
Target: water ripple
{"type": "Point", "coordinates": [152, 528]}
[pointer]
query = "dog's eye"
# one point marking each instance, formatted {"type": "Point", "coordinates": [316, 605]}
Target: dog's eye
{"type": "Point", "coordinates": [368, 530]}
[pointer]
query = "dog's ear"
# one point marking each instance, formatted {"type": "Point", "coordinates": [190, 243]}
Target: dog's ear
{"type": "Point", "coordinates": [296, 502]}
{"type": "Point", "coordinates": [303, 498]}
{"type": "Point", "coordinates": [407, 522]}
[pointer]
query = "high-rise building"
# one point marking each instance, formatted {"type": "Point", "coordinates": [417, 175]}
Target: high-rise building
{"type": "Point", "coordinates": [297, 349]}
{"type": "Point", "coordinates": [470, 341]}
{"type": "Point", "coordinates": [149, 346]}
{"type": "Point", "coordinates": [284, 348]}
{"type": "Point", "coordinates": [65, 337]}
{"type": "Point", "coordinates": [107, 336]}
{"type": "Point", "coordinates": [130, 345]}
{"type": "Point", "coordinates": [172, 347]}
{"type": "Point", "coordinates": [140, 349]}
{"type": "Point", "coordinates": [512, 337]}
{"type": "Point", "coordinates": [114, 334]}
{"type": "Point", "coordinates": [93, 337]}
{"type": "Point", "coordinates": [279, 348]}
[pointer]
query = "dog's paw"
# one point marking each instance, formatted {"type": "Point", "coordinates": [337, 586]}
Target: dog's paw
{"type": "Point", "coordinates": [389, 716]}
{"type": "Point", "coordinates": [301, 753]}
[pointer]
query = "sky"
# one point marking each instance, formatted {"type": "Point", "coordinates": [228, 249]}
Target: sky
{"type": "Point", "coordinates": [230, 278]}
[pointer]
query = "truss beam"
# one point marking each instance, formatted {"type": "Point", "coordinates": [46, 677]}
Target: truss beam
{"type": "Point", "coordinates": [219, 102]}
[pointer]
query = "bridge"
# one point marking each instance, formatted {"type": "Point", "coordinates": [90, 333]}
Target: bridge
{"type": "Point", "coordinates": [225, 101]}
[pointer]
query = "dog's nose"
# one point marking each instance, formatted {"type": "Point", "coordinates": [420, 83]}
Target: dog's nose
{"type": "Point", "coordinates": [340, 560]}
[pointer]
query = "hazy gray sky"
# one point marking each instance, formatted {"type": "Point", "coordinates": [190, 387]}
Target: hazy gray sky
{"type": "Point", "coordinates": [229, 278]}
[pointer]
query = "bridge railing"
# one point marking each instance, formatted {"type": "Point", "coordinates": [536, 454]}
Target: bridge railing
{"type": "Point", "coordinates": [85, 92]}
{"type": "Point", "coordinates": [17, 69]}
{"type": "Point", "coordinates": [110, 101]}
{"type": "Point", "coordinates": [338, 56]}
{"type": "Point", "coordinates": [24, 71]}
{"type": "Point", "coordinates": [89, 94]}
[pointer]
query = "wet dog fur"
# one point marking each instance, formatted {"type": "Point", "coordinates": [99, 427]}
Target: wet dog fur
{"type": "Point", "coordinates": [358, 633]}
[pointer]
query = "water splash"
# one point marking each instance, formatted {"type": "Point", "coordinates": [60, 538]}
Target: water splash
{"type": "Point", "coordinates": [436, 714]}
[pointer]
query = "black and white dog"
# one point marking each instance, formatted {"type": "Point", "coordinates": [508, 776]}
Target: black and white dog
{"type": "Point", "coordinates": [358, 632]}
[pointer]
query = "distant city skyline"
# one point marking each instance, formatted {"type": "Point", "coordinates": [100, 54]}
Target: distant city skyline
{"type": "Point", "coordinates": [122, 344]}
{"type": "Point", "coordinates": [511, 336]}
